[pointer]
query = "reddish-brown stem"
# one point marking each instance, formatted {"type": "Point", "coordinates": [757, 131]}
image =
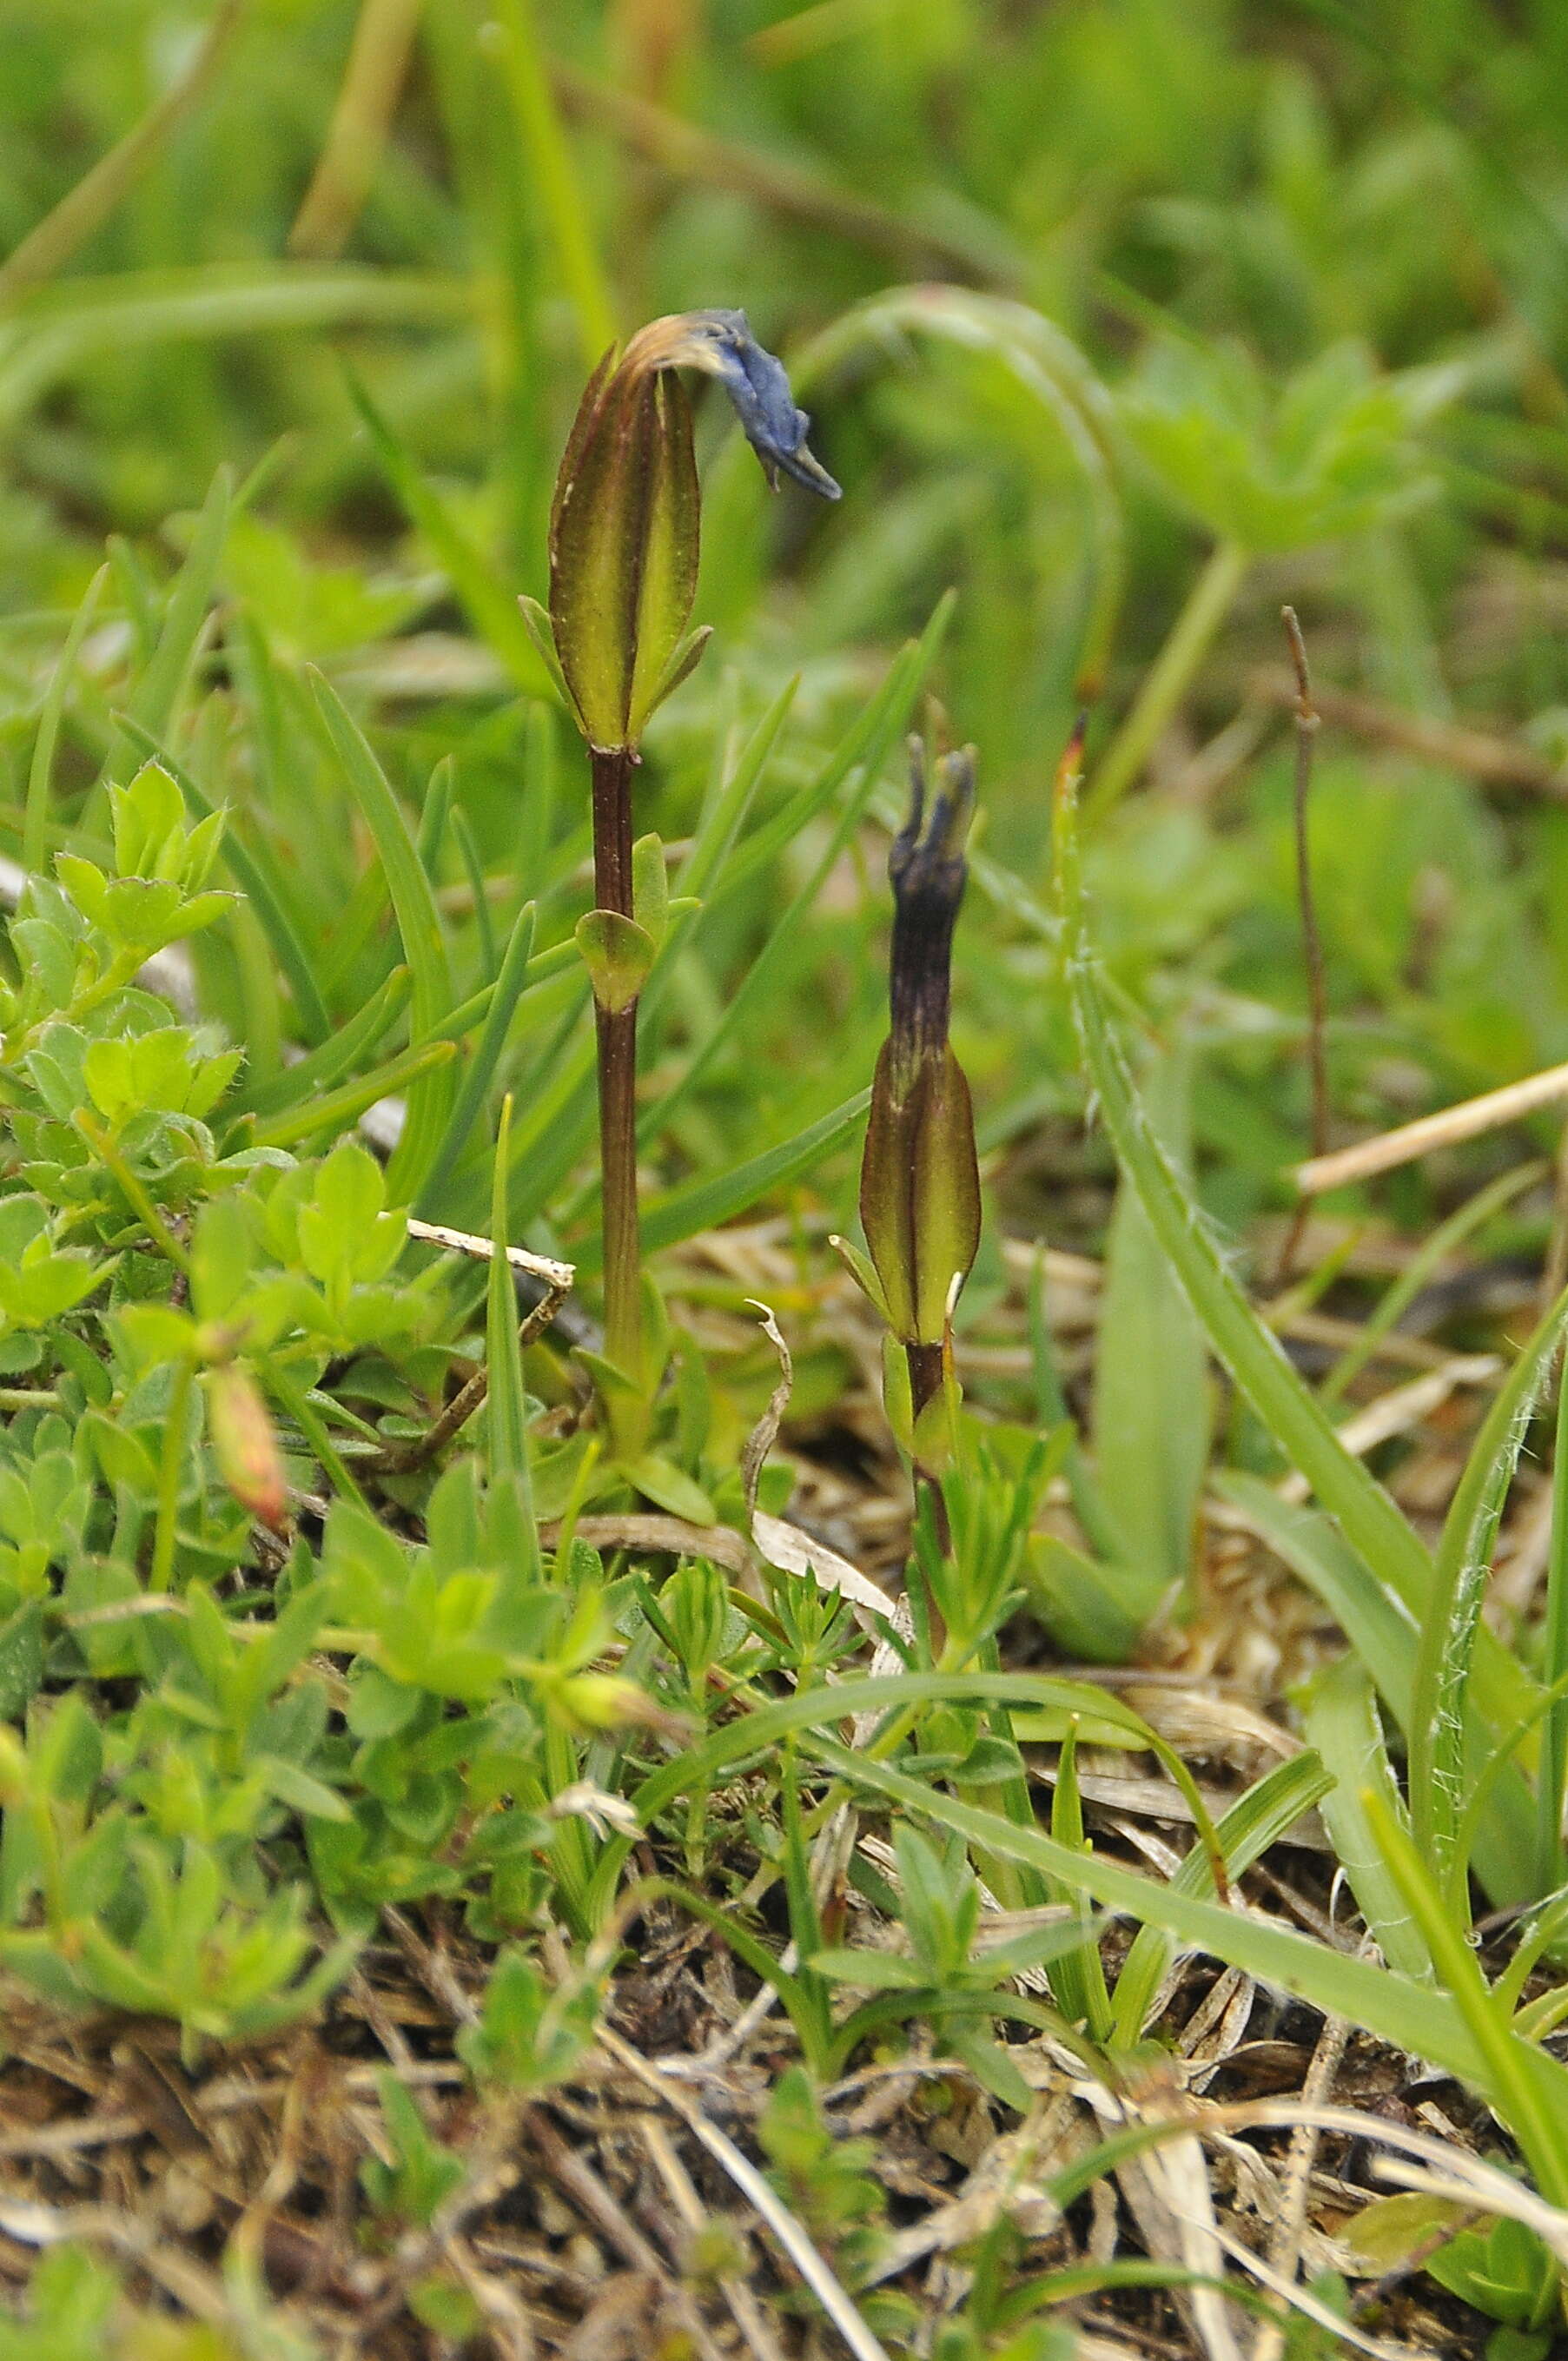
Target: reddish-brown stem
{"type": "Point", "coordinates": [612, 773]}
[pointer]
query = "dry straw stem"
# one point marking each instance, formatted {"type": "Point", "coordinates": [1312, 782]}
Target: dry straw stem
{"type": "Point", "coordinates": [777, 2216]}
{"type": "Point", "coordinates": [378, 59]}
{"type": "Point", "coordinates": [1453, 1125]}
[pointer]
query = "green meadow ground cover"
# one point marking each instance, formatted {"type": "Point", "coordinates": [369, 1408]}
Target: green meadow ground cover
{"type": "Point", "coordinates": [585, 1797]}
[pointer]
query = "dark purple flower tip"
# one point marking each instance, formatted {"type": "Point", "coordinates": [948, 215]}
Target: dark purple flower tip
{"type": "Point", "coordinates": [722, 346]}
{"type": "Point", "coordinates": [926, 861]}
{"type": "Point", "coordinates": [928, 873]}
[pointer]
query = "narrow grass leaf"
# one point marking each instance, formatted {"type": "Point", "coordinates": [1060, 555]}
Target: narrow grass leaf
{"type": "Point", "coordinates": [418, 925]}
{"type": "Point", "coordinates": [1552, 1776]}
{"type": "Point", "coordinates": [873, 727]}
{"type": "Point", "coordinates": [552, 175]}
{"type": "Point", "coordinates": [1385, 1638]}
{"type": "Point", "coordinates": [41, 771]}
{"type": "Point", "coordinates": [1411, 2015]}
{"type": "Point", "coordinates": [59, 329]}
{"type": "Point", "coordinates": [336, 1109]}
{"type": "Point", "coordinates": [1424, 1264]}
{"type": "Point", "coordinates": [1077, 1977]}
{"type": "Point", "coordinates": [1340, 1719]}
{"type": "Point", "coordinates": [1451, 1620]}
{"type": "Point", "coordinates": [1152, 1393]}
{"type": "Point", "coordinates": [491, 605]}
{"type": "Point", "coordinates": [337, 1056]}
{"type": "Point", "coordinates": [1390, 1554]}
{"type": "Point", "coordinates": [157, 694]}
{"type": "Point", "coordinates": [506, 1406]}
{"type": "Point", "coordinates": [892, 708]}
{"type": "Point", "coordinates": [1529, 2102]}
{"type": "Point", "coordinates": [484, 1062]}
{"type": "Point", "coordinates": [757, 1732]}
{"type": "Point", "coordinates": [1255, 1822]}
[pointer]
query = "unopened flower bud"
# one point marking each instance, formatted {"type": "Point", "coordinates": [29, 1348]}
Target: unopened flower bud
{"type": "Point", "coordinates": [245, 1446]}
{"type": "Point", "coordinates": [606, 1701]}
{"type": "Point", "coordinates": [919, 1177]}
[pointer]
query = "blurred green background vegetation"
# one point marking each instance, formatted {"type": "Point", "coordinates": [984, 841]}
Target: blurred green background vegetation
{"type": "Point", "coordinates": [1244, 303]}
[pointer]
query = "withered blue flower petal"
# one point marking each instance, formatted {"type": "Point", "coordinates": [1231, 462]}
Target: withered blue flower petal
{"type": "Point", "coordinates": [722, 346]}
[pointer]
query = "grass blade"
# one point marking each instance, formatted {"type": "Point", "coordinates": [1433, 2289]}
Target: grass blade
{"type": "Point", "coordinates": [483, 1064]}
{"type": "Point", "coordinates": [1424, 1264]}
{"type": "Point", "coordinates": [491, 604]}
{"type": "Point", "coordinates": [1152, 1394]}
{"type": "Point", "coordinates": [1387, 1562]}
{"type": "Point", "coordinates": [339, 1109]}
{"type": "Point", "coordinates": [1255, 1822]}
{"type": "Point", "coordinates": [1252, 1354]}
{"type": "Point", "coordinates": [57, 329]}
{"type": "Point", "coordinates": [891, 709]}
{"type": "Point", "coordinates": [1552, 1776]}
{"type": "Point", "coordinates": [1411, 2015]}
{"type": "Point", "coordinates": [337, 1055]}
{"type": "Point", "coordinates": [1386, 1637]}
{"type": "Point", "coordinates": [418, 925]}
{"type": "Point", "coordinates": [1077, 1977]}
{"type": "Point", "coordinates": [705, 1204]}
{"type": "Point", "coordinates": [507, 1407]}
{"type": "Point", "coordinates": [40, 772]}
{"type": "Point", "coordinates": [1528, 2100]}
{"type": "Point", "coordinates": [156, 693]}
{"type": "Point", "coordinates": [554, 179]}
{"type": "Point", "coordinates": [1340, 1720]}
{"type": "Point", "coordinates": [1452, 1621]}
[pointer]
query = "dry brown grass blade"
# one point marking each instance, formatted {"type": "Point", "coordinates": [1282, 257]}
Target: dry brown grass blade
{"type": "Point", "coordinates": [1448, 1128]}
{"type": "Point", "coordinates": [791, 2238]}
{"type": "Point", "coordinates": [747, 2312]}
{"type": "Point", "coordinates": [1285, 2237]}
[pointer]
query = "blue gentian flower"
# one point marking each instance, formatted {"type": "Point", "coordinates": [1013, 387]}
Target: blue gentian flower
{"type": "Point", "coordinates": [721, 344]}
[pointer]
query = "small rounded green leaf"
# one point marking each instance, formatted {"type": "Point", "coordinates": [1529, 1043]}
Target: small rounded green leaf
{"type": "Point", "coordinates": [618, 954]}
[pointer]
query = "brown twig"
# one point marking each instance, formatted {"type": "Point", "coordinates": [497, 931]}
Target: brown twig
{"type": "Point", "coordinates": [1491, 761]}
{"type": "Point", "coordinates": [404, 1458]}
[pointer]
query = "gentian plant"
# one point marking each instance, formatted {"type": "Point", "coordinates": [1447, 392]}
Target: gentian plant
{"type": "Point", "coordinates": [919, 1176]}
{"type": "Point", "coordinates": [624, 539]}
